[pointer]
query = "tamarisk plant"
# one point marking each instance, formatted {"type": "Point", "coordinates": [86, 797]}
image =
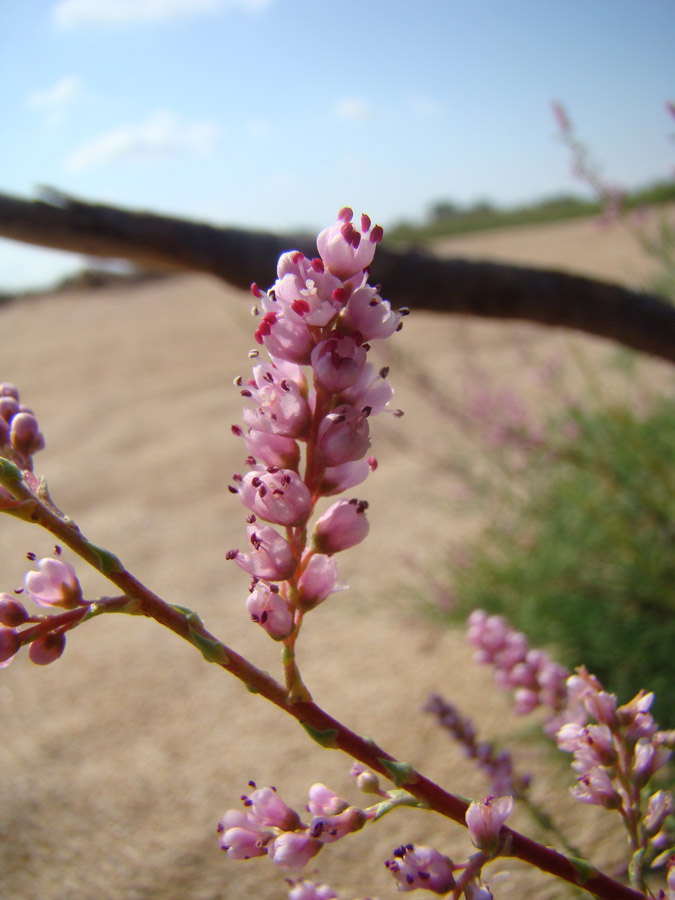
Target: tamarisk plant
{"type": "Point", "coordinates": [306, 428]}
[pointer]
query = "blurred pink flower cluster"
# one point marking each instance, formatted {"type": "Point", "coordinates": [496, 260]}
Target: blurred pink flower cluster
{"type": "Point", "coordinates": [318, 390]}
{"type": "Point", "coordinates": [617, 750]}
{"type": "Point", "coordinates": [531, 673]}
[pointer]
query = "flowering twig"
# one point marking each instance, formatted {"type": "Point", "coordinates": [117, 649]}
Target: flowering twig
{"type": "Point", "coordinates": [320, 726]}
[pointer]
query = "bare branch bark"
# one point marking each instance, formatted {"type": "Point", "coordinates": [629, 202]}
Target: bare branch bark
{"type": "Point", "coordinates": [416, 279]}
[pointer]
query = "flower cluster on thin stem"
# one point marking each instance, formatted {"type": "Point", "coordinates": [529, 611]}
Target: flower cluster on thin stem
{"type": "Point", "coordinates": [531, 673]}
{"type": "Point", "coordinates": [616, 751]}
{"type": "Point", "coordinates": [318, 390]}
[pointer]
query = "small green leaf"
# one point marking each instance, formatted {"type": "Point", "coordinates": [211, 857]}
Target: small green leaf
{"type": "Point", "coordinates": [108, 563]}
{"type": "Point", "coordinates": [327, 739]}
{"type": "Point", "coordinates": [583, 867]}
{"type": "Point", "coordinates": [10, 471]}
{"type": "Point", "coordinates": [189, 614]}
{"type": "Point", "coordinates": [400, 772]}
{"type": "Point", "coordinates": [212, 651]}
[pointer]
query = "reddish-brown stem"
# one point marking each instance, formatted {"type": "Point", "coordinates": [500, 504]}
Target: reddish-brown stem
{"type": "Point", "coordinates": [322, 727]}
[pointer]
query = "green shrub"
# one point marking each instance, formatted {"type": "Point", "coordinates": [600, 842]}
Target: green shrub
{"type": "Point", "coordinates": [588, 563]}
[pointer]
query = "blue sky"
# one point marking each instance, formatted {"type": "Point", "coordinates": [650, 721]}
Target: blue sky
{"type": "Point", "coordinates": [275, 113]}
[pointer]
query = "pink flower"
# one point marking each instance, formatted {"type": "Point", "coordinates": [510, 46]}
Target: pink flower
{"type": "Point", "coordinates": [370, 315]}
{"type": "Point", "coordinates": [337, 362]}
{"type": "Point", "coordinates": [240, 838]}
{"type": "Point", "coordinates": [268, 609]}
{"type": "Point", "coordinates": [283, 331]}
{"type": "Point", "coordinates": [371, 390]}
{"type": "Point", "coordinates": [309, 890]}
{"type": "Point", "coordinates": [343, 435]}
{"type": "Point", "coordinates": [344, 250]}
{"type": "Point", "coordinates": [343, 525]}
{"type": "Point", "coordinates": [327, 829]}
{"type": "Point", "coordinates": [271, 558]}
{"type": "Point", "coordinates": [308, 288]}
{"type": "Point", "coordinates": [270, 449]}
{"type": "Point", "coordinates": [266, 809]}
{"type": "Point", "coordinates": [294, 849]}
{"type": "Point", "coordinates": [54, 584]}
{"type": "Point", "coordinates": [324, 802]}
{"type": "Point", "coordinates": [337, 479]}
{"type": "Point", "coordinates": [318, 580]}
{"type": "Point", "coordinates": [485, 820]}
{"type": "Point", "coordinates": [596, 787]}
{"type": "Point", "coordinates": [417, 866]}
{"type": "Point", "coordinates": [280, 406]}
{"type": "Point", "coordinates": [275, 495]}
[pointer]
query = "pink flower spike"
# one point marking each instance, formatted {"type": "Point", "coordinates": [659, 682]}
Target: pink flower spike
{"type": "Point", "coordinates": [417, 866]}
{"type": "Point", "coordinates": [343, 525]}
{"type": "Point", "coordinates": [268, 609]}
{"type": "Point", "coordinates": [54, 584]}
{"type": "Point", "coordinates": [271, 557]}
{"type": "Point", "coordinates": [485, 820]}
{"type": "Point", "coordinates": [294, 849]}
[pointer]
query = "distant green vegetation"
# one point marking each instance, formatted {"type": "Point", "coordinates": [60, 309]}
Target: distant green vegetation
{"type": "Point", "coordinates": [587, 564]}
{"type": "Point", "coordinates": [447, 218]}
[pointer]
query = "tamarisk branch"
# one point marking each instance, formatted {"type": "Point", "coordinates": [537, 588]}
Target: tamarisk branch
{"type": "Point", "coordinates": [416, 279]}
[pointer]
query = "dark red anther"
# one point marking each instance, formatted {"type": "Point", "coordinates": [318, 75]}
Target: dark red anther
{"type": "Point", "coordinates": [376, 235]}
{"type": "Point", "coordinates": [365, 222]}
{"type": "Point", "coordinates": [317, 264]}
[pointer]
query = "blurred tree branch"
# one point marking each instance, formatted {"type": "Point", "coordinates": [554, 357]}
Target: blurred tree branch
{"type": "Point", "coordinates": [416, 279]}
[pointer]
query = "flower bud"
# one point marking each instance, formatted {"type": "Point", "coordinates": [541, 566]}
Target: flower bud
{"type": "Point", "coordinates": [54, 584]}
{"type": "Point", "coordinates": [10, 644]}
{"type": "Point", "coordinates": [343, 435]}
{"type": "Point", "coordinates": [271, 557]}
{"type": "Point", "coordinates": [319, 579]}
{"type": "Point", "coordinates": [268, 609]}
{"type": "Point", "coordinates": [47, 649]}
{"type": "Point", "coordinates": [25, 435]}
{"type": "Point", "coordinates": [485, 820]}
{"type": "Point", "coordinates": [417, 866]}
{"type": "Point", "coordinates": [12, 613]}
{"type": "Point", "coordinates": [338, 362]}
{"type": "Point", "coordinates": [294, 849]}
{"type": "Point", "coordinates": [343, 525]}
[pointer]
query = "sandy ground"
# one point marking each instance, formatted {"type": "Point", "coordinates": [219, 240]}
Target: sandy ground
{"type": "Point", "coordinates": [119, 760]}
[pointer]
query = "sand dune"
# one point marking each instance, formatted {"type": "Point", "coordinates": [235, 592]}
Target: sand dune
{"type": "Point", "coordinates": [119, 759]}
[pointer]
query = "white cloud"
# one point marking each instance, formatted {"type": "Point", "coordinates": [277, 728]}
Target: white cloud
{"type": "Point", "coordinates": [161, 134]}
{"type": "Point", "coordinates": [72, 13]}
{"type": "Point", "coordinates": [55, 100]}
{"type": "Point", "coordinates": [354, 109]}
